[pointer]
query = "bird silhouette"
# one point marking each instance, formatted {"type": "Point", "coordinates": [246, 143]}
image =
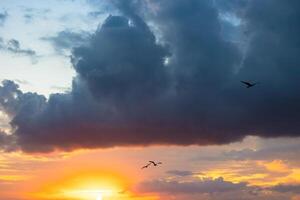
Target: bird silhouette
{"type": "Point", "coordinates": [248, 84]}
{"type": "Point", "coordinates": [154, 163]}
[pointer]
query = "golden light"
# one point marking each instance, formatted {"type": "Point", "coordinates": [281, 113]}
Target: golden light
{"type": "Point", "coordinates": [84, 186]}
{"type": "Point", "coordinates": [99, 197]}
{"type": "Point", "coordinates": [99, 194]}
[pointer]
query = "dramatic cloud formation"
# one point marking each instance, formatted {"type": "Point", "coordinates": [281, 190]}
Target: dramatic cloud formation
{"type": "Point", "coordinates": [181, 86]}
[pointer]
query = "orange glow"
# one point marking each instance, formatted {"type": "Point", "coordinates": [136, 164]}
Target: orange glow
{"type": "Point", "coordinates": [257, 173]}
{"type": "Point", "coordinates": [293, 177]}
{"type": "Point", "coordinates": [235, 177]}
{"type": "Point", "coordinates": [12, 177]}
{"type": "Point", "coordinates": [276, 166]}
{"type": "Point", "coordinates": [113, 174]}
{"type": "Point", "coordinates": [83, 186]}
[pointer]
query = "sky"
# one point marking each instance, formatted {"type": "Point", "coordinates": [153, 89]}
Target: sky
{"type": "Point", "coordinates": [91, 90]}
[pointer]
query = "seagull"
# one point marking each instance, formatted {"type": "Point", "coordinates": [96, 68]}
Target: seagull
{"type": "Point", "coordinates": [248, 84]}
{"type": "Point", "coordinates": [154, 163]}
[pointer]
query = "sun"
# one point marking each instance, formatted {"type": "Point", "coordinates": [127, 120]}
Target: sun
{"type": "Point", "coordinates": [99, 197]}
{"type": "Point", "coordinates": [85, 194]}
{"type": "Point", "coordinates": [85, 186]}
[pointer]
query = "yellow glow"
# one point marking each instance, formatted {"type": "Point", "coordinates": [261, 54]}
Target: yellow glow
{"type": "Point", "coordinates": [99, 194]}
{"type": "Point", "coordinates": [84, 186]}
{"type": "Point", "coordinates": [13, 177]}
{"type": "Point", "coordinates": [99, 197]}
{"type": "Point", "coordinates": [276, 166]}
{"type": "Point", "coordinates": [235, 177]}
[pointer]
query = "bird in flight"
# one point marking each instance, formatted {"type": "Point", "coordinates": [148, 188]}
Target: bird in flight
{"type": "Point", "coordinates": [248, 84]}
{"type": "Point", "coordinates": [154, 163]}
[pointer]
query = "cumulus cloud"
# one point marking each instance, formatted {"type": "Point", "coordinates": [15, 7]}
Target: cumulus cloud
{"type": "Point", "coordinates": [132, 88]}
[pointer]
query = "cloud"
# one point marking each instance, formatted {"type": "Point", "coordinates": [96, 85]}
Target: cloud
{"type": "Point", "coordinates": [95, 14]}
{"type": "Point", "coordinates": [22, 82]}
{"type": "Point", "coordinates": [7, 142]}
{"type": "Point", "coordinates": [180, 173]}
{"type": "Point", "coordinates": [271, 153]}
{"type": "Point", "coordinates": [13, 46]}
{"type": "Point", "coordinates": [3, 17]}
{"type": "Point", "coordinates": [66, 40]}
{"type": "Point", "coordinates": [287, 188]}
{"type": "Point", "coordinates": [213, 189]}
{"type": "Point", "coordinates": [33, 13]}
{"type": "Point", "coordinates": [192, 187]}
{"type": "Point", "coordinates": [271, 58]}
{"type": "Point", "coordinates": [179, 86]}
{"type": "Point", "coordinates": [94, 95]}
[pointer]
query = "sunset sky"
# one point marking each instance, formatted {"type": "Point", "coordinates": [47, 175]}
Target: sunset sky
{"type": "Point", "coordinates": [91, 90]}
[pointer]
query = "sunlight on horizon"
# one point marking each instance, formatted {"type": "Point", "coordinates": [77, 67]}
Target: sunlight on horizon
{"type": "Point", "coordinates": [99, 194]}
{"type": "Point", "coordinates": [99, 197]}
{"type": "Point", "coordinates": [83, 186]}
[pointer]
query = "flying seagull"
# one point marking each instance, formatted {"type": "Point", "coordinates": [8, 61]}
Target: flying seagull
{"type": "Point", "coordinates": [154, 163]}
{"type": "Point", "coordinates": [248, 84]}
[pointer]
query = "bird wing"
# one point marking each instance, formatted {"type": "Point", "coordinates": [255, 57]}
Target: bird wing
{"type": "Point", "coordinates": [246, 83]}
{"type": "Point", "coordinates": [145, 166]}
{"type": "Point", "coordinates": [152, 162]}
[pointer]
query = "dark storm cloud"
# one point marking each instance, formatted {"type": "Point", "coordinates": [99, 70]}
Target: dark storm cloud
{"type": "Point", "coordinates": [272, 58]}
{"type": "Point", "coordinates": [125, 93]}
{"type": "Point", "coordinates": [127, 68]}
{"type": "Point", "coordinates": [128, 71]}
{"type": "Point", "coordinates": [66, 40]}
{"type": "Point", "coordinates": [7, 142]}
